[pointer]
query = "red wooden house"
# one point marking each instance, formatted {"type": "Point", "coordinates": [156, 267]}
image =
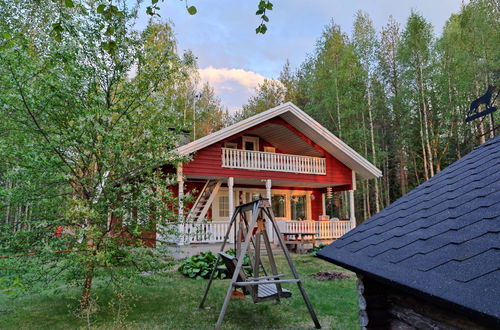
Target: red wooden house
{"type": "Point", "coordinates": [282, 154]}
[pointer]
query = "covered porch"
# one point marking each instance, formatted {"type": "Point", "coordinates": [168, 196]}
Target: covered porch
{"type": "Point", "coordinates": [299, 207]}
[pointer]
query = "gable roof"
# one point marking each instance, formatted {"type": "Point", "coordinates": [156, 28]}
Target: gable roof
{"type": "Point", "coordinates": [304, 123]}
{"type": "Point", "coordinates": [441, 241]}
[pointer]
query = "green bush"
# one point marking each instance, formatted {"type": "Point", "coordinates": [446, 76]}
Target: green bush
{"type": "Point", "coordinates": [200, 266]}
{"type": "Point", "coordinates": [317, 249]}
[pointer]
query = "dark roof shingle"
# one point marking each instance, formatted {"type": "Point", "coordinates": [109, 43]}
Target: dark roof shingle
{"type": "Point", "coordinates": [440, 241]}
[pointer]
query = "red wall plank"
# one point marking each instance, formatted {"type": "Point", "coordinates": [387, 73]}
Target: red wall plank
{"type": "Point", "coordinates": [208, 162]}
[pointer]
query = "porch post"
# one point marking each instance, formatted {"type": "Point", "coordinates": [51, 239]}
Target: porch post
{"type": "Point", "coordinates": [351, 209]}
{"type": "Point", "coordinates": [230, 197]}
{"type": "Point", "coordinates": [180, 182]}
{"type": "Point", "coordinates": [269, 226]}
{"type": "Point", "coordinates": [351, 201]}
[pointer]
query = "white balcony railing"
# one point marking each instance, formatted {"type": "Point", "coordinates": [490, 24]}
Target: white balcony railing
{"type": "Point", "coordinates": [270, 161]}
{"type": "Point", "coordinates": [323, 229]}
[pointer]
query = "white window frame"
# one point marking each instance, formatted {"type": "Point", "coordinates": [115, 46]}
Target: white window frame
{"type": "Point", "coordinates": [253, 139]}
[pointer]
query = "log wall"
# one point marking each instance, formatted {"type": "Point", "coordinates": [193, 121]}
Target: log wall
{"type": "Point", "coordinates": [384, 307]}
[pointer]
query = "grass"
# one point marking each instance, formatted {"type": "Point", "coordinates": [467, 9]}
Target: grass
{"type": "Point", "coordinates": [170, 301]}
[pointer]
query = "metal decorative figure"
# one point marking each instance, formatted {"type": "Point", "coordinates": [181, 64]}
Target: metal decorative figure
{"type": "Point", "coordinates": [487, 100]}
{"type": "Point", "coordinates": [250, 230]}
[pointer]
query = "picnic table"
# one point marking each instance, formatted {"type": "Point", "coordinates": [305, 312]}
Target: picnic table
{"type": "Point", "coordinates": [297, 240]}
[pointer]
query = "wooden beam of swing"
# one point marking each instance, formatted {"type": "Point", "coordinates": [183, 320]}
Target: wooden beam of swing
{"type": "Point", "coordinates": [248, 283]}
{"type": "Point", "coordinates": [265, 277]}
{"type": "Point", "coordinates": [257, 207]}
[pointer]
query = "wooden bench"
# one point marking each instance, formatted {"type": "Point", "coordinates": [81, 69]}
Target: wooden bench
{"type": "Point", "coordinates": [259, 292]}
{"type": "Point", "coordinates": [298, 240]}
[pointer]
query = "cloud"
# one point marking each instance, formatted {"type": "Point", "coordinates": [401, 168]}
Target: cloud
{"type": "Point", "coordinates": [225, 78]}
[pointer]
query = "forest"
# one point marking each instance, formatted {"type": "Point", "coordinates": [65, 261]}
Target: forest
{"type": "Point", "coordinates": [398, 96]}
{"type": "Point", "coordinates": [87, 103]}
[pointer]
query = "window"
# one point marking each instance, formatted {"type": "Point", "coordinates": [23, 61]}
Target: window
{"type": "Point", "coordinates": [278, 204]}
{"type": "Point", "coordinates": [298, 207]}
{"type": "Point", "coordinates": [250, 143]}
{"type": "Point", "coordinates": [223, 206]}
{"type": "Point", "coordinates": [269, 149]}
{"type": "Point", "coordinates": [231, 145]}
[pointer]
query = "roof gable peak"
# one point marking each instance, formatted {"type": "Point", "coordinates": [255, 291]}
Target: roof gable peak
{"type": "Point", "coordinates": [303, 122]}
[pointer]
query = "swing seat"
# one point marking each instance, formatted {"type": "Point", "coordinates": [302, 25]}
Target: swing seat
{"type": "Point", "coordinates": [259, 292]}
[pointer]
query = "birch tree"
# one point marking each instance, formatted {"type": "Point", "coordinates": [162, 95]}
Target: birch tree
{"type": "Point", "coordinates": [88, 128]}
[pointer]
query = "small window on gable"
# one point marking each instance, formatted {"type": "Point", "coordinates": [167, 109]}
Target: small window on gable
{"type": "Point", "coordinates": [250, 143]}
{"type": "Point", "coordinates": [269, 149]}
{"type": "Point", "coordinates": [231, 145]}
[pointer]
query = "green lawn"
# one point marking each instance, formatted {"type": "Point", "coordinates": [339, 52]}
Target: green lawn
{"type": "Point", "coordinates": [171, 302]}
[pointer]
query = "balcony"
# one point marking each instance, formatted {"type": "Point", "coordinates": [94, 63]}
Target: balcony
{"type": "Point", "coordinates": [270, 161]}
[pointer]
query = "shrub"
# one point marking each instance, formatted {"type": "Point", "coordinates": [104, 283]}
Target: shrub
{"type": "Point", "coordinates": [317, 249]}
{"type": "Point", "coordinates": [200, 266]}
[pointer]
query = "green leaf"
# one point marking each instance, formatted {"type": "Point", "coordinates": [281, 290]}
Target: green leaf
{"type": "Point", "coordinates": [69, 3]}
{"type": "Point", "coordinates": [6, 35]}
{"type": "Point", "coordinates": [269, 6]}
{"type": "Point", "coordinates": [57, 37]}
{"type": "Point", "coordinates": [100, 8]}
{"type": "Point", "coordinates": [259, 12]}
{"type": "Point", "coordinates": [192, 10]}
{"type": "Point", "coordinates": [265, 18]}
{"type": "Point", "coordinates": [154, 2]}
{"type": "Point", "coordinates": [261, 29]}
{"type": "Point", "coordinates": [109, 31]}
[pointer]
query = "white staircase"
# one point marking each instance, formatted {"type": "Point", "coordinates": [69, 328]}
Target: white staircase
{"type": "Point", "coordinates": [204, 200]}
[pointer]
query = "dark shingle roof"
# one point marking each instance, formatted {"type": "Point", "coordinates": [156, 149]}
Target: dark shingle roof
{"type": "Point", "coordinates": [441, 241]}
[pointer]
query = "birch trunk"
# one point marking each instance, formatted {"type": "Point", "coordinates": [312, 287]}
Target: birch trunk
{"type": "Point", "coordinates": [426, 123]}
{"type": "Point", "coordinates": [422, 143]}
{"type": "Point", "coordinates": [372, 140]}
{"type": "Point", "coordinates": [338, 106]}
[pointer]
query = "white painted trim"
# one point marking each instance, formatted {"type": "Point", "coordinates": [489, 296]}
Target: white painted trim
{"type": "Point", "coordinates": [333, 144]}
{"type": "Point", "coordinates": [230, 184]}
{"type": "Point", "coordinates": [353, 180]}
{"type": "Point", "coordinates": [352, 209]}
{"type": "Point", "coordinates": [269, 226]}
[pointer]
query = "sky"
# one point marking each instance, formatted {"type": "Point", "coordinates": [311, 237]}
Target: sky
{"type": "Point", "coordinates": [234, 59]}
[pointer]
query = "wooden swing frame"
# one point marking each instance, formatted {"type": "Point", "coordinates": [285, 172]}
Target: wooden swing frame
{"type": "Point", "coordinates": [262, 288]}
